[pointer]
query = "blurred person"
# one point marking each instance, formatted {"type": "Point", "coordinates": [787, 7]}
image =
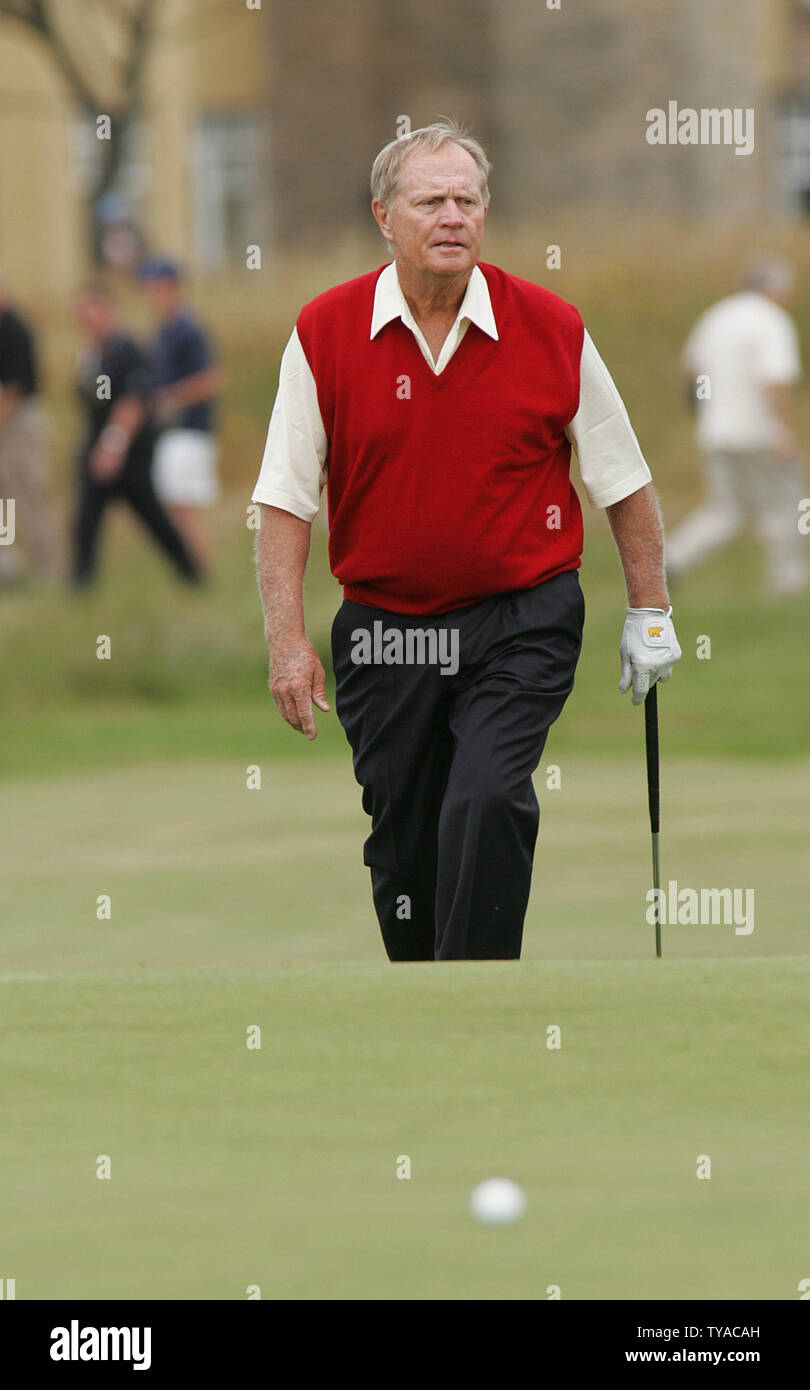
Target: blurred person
{"type": "Point", "coordinates": [118, 238]}
{"type": "Point", "coordinates": [115, 457]}
{"type": "Point", "coordinates": [743, 361]}
{"type": "Point", "coordinates": [438, 399]}
{"type": "Point", "coordinates": [24, 449]}
{"type": "Point", "coordinates": [187, 383]}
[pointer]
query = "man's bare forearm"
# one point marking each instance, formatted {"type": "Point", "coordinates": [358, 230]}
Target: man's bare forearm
{"type": "Point", "coordinates": [639, 535]}
{"type": "Point", "coordinates": [190, 390]}
{"type": "Point", "coordinates": [297, 677]}
{"type": "Point", "coordinates": [282, 551]}
{"type": "Point", "coordinates": [128, 415]}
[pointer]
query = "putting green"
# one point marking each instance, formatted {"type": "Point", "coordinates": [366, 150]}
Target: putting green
{"type": "Point", "coordinates": [277, 1166]}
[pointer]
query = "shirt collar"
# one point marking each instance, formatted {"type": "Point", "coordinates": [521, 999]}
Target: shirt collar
{"type": "Point", "coordinates": [390, 303]}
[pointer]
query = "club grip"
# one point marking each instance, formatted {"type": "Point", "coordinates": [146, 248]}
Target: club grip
{"type": "Point", "coordinates": [651, 735]}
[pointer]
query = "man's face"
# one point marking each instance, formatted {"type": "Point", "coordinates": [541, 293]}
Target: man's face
{"type": "Point", "coordinates": [436, 219]}
{"type": "Point", "coordinates": [94, 315]}
{"type": "Point", "coordinates": [162, 292]}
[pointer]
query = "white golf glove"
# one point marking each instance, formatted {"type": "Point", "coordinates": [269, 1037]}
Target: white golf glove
{"type": "Point", "coordinates": [648, 651]}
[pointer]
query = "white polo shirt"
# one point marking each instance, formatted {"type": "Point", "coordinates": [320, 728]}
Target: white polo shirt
{"type": "Point", "coordinates": [741, 346]}
{"type": "Point", "coordinates": [292, 473]}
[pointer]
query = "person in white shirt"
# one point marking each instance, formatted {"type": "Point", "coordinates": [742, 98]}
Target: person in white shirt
{"type": "Point", "coordinates": [743, 360]}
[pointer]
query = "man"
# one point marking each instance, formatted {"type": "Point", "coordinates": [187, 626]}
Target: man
{"type": "Point", "coordinates": [742, 359]}
{"type": "Point", "coordinates": [23, 450]}
{"type": "Point", "coordinates": [116, 455]}
{"type": "Point", "coordinates": [187, 383]}
{"type": "Point", "coordinates": [437, 396]}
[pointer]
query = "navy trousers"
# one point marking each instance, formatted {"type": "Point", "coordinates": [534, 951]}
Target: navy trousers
{"type": "Point", "coordinates": [133, 485]}
{"type": "Point", "coordinates": [445, 760]}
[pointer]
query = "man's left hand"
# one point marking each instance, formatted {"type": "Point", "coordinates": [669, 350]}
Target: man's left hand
{"type": "Point", "coordinates": [648, 651]}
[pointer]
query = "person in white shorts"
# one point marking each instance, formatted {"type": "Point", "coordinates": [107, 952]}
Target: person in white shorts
{"type": "Point", "coordinates": [187, 382]}
{"type": "Point", "coordinates": [743, 360]}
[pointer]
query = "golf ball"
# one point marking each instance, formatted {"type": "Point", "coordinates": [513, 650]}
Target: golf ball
{"type": "Point", "coordinates": [497, 1202]}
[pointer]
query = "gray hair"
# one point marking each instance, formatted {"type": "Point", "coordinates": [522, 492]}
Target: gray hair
{"type": "Point", "coordinates": [768, 274]}
{"type": "Point", "coordinates": [386, 168]}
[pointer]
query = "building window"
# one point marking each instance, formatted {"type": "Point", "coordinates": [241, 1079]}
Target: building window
{"type": "Point", "coordinates": [793, 152]}
{"type": "Point", "coordinates": [228, 166]}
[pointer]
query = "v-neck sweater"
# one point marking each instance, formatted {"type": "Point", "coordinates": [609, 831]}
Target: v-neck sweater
{"type": "Point", "coordinates": [447, 489]}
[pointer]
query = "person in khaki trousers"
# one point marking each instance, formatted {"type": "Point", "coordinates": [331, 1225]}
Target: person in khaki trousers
{"type": "Point", "coordinates": [26, 518]}
{"type": "Point", "coordinates": [743, 362]}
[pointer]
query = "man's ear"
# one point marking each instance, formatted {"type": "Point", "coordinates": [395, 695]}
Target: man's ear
{"type": "Point", "coordinates": [380, 213]}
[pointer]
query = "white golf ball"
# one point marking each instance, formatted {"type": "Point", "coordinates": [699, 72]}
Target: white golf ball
{"type": "Point", "coordinates": [497, 1202]}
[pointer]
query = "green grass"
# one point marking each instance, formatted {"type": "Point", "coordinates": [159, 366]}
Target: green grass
{"type": "Point", "coordinates": [277, 1167]}
{"type": "Point", "coordinates": [233, 907]}
{"type": "Point", "coordinates": [202, 870]}
{"type": "Point", "coordinates": [233, 1167]}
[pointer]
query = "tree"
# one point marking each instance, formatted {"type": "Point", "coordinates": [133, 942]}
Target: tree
{"type": "Point", "coordinates": [101, 52]}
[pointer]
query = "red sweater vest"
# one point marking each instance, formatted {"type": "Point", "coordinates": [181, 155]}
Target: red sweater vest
{"type": "Point", "coordinates": [445, 490]}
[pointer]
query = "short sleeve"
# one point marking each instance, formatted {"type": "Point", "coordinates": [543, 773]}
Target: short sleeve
{"type": "Point", "coordinates": [611, 463]}
{"type": "Point", "coordinates": [194, 353]}
{"type": "Point", "coordinates": [292, 473]}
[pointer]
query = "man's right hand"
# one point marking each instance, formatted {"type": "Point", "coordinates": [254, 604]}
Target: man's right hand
{"type": "Point", "coordinates": [297, 681]}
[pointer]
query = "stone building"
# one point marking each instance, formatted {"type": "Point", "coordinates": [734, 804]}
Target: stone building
{"type": "Point", "coordinates": [559, 95]}
{"type": "Point", "coordinates": [260, 118]}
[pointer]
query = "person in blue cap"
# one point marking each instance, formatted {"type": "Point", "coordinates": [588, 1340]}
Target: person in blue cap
{"type": "Point", "coordinates": [187, 383]}
{"type": "Point", "coordinates": [115, 456]}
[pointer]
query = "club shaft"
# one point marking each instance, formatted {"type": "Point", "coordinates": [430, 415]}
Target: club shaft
{"type": "Point", "coordinates": [656, 886]}
{"type": "Point", "coordinates": [654, 798]}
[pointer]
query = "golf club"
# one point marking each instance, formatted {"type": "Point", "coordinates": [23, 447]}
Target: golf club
{"type": "Point", "coordinates": [653, 796]}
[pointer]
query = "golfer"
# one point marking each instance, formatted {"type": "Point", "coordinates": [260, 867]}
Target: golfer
{"type": "Point", "coordinates": [438, 399]}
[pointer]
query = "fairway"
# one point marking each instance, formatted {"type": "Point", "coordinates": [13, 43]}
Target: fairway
{"type": "Point", "coordinates": [201, 870]}
{"type": "Point", "coordinates": [277, 1167]}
